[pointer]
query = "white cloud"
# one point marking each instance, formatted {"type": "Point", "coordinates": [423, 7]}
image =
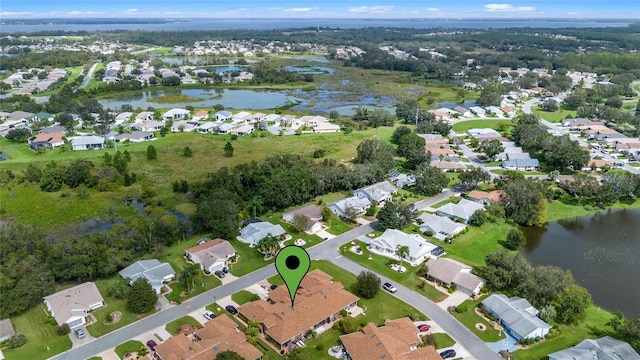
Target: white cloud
{"type": "Point", "coordinates": [15, 13]}
{"type": "Point", "coordinates": [507, 8]}
{"type": "Point", "coordinates": [433, 9]}
{"type": "Point", "coordinates": [371, 9]}
{"type": "Point", "coordinates": [75, 12]}
{"type": "Point", "coordinates": [306, 9]}
{"type": "Point", "coordinates": [79, 12]}
{"type": "Point", "coordinates": [130, 11]}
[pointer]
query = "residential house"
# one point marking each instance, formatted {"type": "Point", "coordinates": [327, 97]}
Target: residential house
{"type": "Point", "coordinates": [401, 180]}
{"type": "Point", "coordinates": [348, 207]}
{"type": "Point", "coordinates": [240, 117]}
{"type": "Point", "coordinates": [176, 113]}
{"type": "Point", "coordinates": [272, 118]}
{"type": "Point", "coordinates": [521, 164]}
{"type": "Point", "coordinates": [155, 272]}
{"type": "Point", "coordinates": [311, 213]}
{"type": "Point", "coordinates": [440, 227]}
{"type": "Point", "coordinates": [483, 133]}
{"type": "Point", "coordinates": [604, 348]}
{"type": "Point", "coordinates": [87, 143]}
{"type": "Point", "coordinates": [255, 118]}
{"type": "Point", "coordinates": [144, 116]}
{"type": "Point", "coordinates": [377, 193]}
{"type": "Point", "coordinates": [41, 116]}
{"type": "Point", "coordinates": [448, 165]}
{"type": "Point", "coordinates": [6, 329]}
{"type": "Point", "coordinates": [477, 110]}
{"type": "Point", "coordinates": [52, 129]}
{"type": "Point", "coordinates": [599, 133]}
{"type": "Point", "coordinates": [253, 233]}
{"type": "Point", "coordinates": [318, 303]}
{"type": "Point", "coordinates": [200, 115]}
{"type": "Point", "coordinates": [218, 335]}
{"type": "Point", "coordinates": [461, 211]}
{"type": "Point", "coordinates": [508, 150]}
{"type": "Point", "coordinates": [632, 148]}
{"type": "Point", "coordinates": [397, 340]}
{"type": "Point", "coordinates": [71, 306]}
{"type": "Point", "coordinates": [486, 198]}
{"type": "Point", "coordinates": [517, 316]}
{"type": "Point", "coordinates": [225, 128]}
{"type": "Point", "coordinates": [185, 126]}
{"type": "Point", "coordinates": [223, 115]}
{"type": "Point", "coordinates": [287, 119]}
{"type": "Point", "coordinates": [47, 140]}
{"type": "Point", "coordinates": [212, 255]}
{"type": "Point", "coordinates": [135, 136]}
{"type": "Point", "coordinates": [19, 116]}
{"type": "Point", "coordinates": [448, 272]}
{"type": "Point", "coordinates": [388, 243]}
{"type": "Point", "coordinates": [598, 165]}
{"type": "Point", "coordinates": [242, 130]}
{"type": "Point", "coordinates": [495, 110]}
{"type": "Point", "coordinates": [463, 111]}
{"type": "Point", "coordinates": [518, 156]}
{"type": "Point", "coordinates": [326, 127]}
{"type": "Point", "coordinates": [150, 126]}
{"type": "Point", "coordinates": [122, 117]}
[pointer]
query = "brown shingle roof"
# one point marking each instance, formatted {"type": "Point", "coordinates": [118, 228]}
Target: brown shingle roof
{"type": "Point", "coordinates": [397, 340]}
{"type": "Point", "coordinates": [317, 299]}
{"type": "Point", "coordinates": [52, 138]}
{"type": "Point", "coordinates": [73, 301]}
{"type": "Point", "coordinates": [494, 196]}
{"type": "Point", "coordinates": [217, 335]}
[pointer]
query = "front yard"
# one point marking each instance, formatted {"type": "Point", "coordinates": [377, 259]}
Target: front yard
{"type": "Point", "coordinates": [469, 318]}
{"type": "Point", "coordinates": [174, 326]}
{"type": "Point", "coordinates": [473, 246]}
{"type": "Point", "coordinates": [380, 264]}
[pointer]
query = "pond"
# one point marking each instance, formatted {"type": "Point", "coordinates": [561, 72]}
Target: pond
{"type": "Point", "coordinates": [452, 104]}
{"type": "Point", "coordinates": [601, 250]}
{"type": "Point", "coordinates": [313, 70]}
{"type": "Point", "coordinates": [230, 99]}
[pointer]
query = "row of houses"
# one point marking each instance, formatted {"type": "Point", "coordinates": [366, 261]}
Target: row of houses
{"type": "Point", "coordinates": [513, 157]}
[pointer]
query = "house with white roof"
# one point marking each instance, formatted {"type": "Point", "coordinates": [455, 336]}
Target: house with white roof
{"type": "Point", "coordinates": [200, 115]}
{"type": "Point", "coordinates": [71, 306]}
{"type": "Point", "coordinates": [326, 127]}
{"type": "Point", "coordinates": [387, 244]}
{"type": "Point", "coordinates": [461, 211]}
{"type": "Point", "coordinates": [272, 118]}
{"type": "Point", "coordinates": [225, 128]}
{"type": "Point", "coordinates": [352, 205]}
{"type": "Point", "coordinates": [144, 116]}
{"type": "Point", "coordinates": [440, 227]}
{"type": "Point", "coordinates": [183, 126]}
{"type": "Point", "coordinates": [212, 255]}
{"type": "Point", "coordinates": [477, 110]}
{"type": "Point", "coordinates": [517, 316]}
{"type": "Point", "coordinates": [223, 115]}
{"type": "Point", "coordinates": [401, 180]}
{"type": "Point", "coordinates": [240, 117]}
{"type": "Point", "coordinates": [604, 348]}
{"type": "Point", "coordinates": [377, 193]}
{"type": "Point", "coordinates": [122, 117]}
{"type": "Point", "coordinates": [242, 130]}
{"type": "Point", "coordinates": [253, 233]}
{"type": "Point", "coordinates": [176, 113]}
{"type": "Point", "coordinates": [150, 126]}
{"type": "Point", "coordinates": [87, 143]}
{"type": "Point", "coordinates": [448, 272]}
{"type": "Point", "coordinates": [155, 272]}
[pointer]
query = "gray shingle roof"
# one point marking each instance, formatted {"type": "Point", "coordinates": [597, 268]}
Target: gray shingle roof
{"type": "Point", "coordinates": [604, 348]}
{"type": "Point", "coordinates": [515, 313]}
{"type": "Point", "coordinates": [152, 270]}
{"type": "Point", "coordinates": [463, 210]}
{"type": "Point", "coordinates": [255, 232]}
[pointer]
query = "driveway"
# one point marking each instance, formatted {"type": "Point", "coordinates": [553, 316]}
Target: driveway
{"type": "Point", "coordinates": [508, 344]}
{"type": "Point", "coordinates": [78, 342]}
{"type": "Point", "coordinates": [455, 299]}
{"type": "Point", "coordinates": [324, 234]}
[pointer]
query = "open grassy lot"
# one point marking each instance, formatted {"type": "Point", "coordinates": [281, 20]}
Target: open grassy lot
{"type": "Point", "coordinates": [473, 246]}
{"type": "Point", "coordinates": [244, 296]}
{"type": "Point", "coordinates": [380, 264]}
{"type": "Point", "coordinates": [99, 328]}
{"type": "Point", "coordinates": [42, 340]}
{"type": "Point", "coordinates": [202, 283]}
{"type": "Point", "coordinates": [250, 259]}
{"type": "Point", "coordinates": [128, 347]}
{"type": "Point", "coordinates": [174, 326]}
{"type": "Point", "coordinates": [469, 318]}
{"type": "Point", "coordinates": [463, 126]}
{"type": "Point", "coordinates": [570, 335]}
{"type": "Point", "coordinates": [555, 116]}
{"type": "Point", "coordinates": [442, 340]}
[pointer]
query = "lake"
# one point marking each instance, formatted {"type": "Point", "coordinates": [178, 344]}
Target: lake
{"type": "Point", "coordinates": [230, 99]}
{"type": "Point", "coordinates": [601, 250]}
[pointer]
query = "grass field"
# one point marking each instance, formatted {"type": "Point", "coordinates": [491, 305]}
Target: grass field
{"type": "Point", "coordinates": [469, 318]}
{"type": "Point", "coordinates": [380, 264]}
{"type": "Point", "coordinates": [474, 245]}
{"type": "Point", "coordinates": [202, 284]}
{"type": "Point", "coordinates": [42, 340]}
{"type": "Point", "coordinates": [555, 116]}
{"type": "Point", "coordinates": [174, 326]}
{"type": "Point", "coordinates": [128, 347]}
{"type": "Point", "coordinates": [244, 296]}
{"type": "Point", "coordinates": [463, 126]}
{"type": "Point", "coordinates": [442, 340]}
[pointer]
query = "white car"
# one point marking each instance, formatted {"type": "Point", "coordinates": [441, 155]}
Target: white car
{"type": "Point", "coordinates": [209, 315]}
{"type": "Point", "coordinates": [390, 288]}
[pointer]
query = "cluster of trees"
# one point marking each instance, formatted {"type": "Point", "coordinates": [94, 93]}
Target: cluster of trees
{"type": "Point", "coordinates": [525, 201]}
{"type": "Point", "coordinates": [557, 152]}
{"type": "Point", "coordinates": [411, 113]}
{"type": "Point", "coordinates": [628, 328]}
{"type": "Point", "coordinates": [395, 215]}
{"type": "Point", "coordinates": [266, 73]}
{"type": "Point", "coordinates": [375, 118]}
{"type": "Point", "coordinates": [614, 185]}
{"type": "Point", "coordinates": [52, 58]}
{"type": "Point", "coordinates": [548, 288]}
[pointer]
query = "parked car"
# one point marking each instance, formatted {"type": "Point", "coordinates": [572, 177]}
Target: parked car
{"type": "Point", "coordinates": [209, 315]}
{"type": "Point", "coordinates": [79, 333]}
{"type": "Point", "coordinates": [152, 345]}
{"type": "Point", "coordinates": [390, 288]}
{"type": "Point", "coordinates": [604, 151]}
{"type": "Point", "coordinates": [203, 241]}
{"type": "Point", "coordinates": [273, 287]}
{"type": "Point", "coordinates": [632, 160]}
{"type": "Point", "coordinates": [219, 273]}
{"type": "Point", "coordinates": [424, 327]}
{"type": "Point", "coordinates": [225, 270]}
{"type": "Point", "coordinates": [232, 309]}
{"type": "Point", "coordinates": [448, 354]}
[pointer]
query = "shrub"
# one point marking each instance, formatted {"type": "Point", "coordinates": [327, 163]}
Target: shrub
{"type": "Point", "coordinates": [343, 313]}
{"type": "Point", "coordinates": [368, 284]}
{"type": "Point", "coordinates": [15, 341]}
{"type": "Point", "coordinates": [462, 308]}
{"type": "Point", "coordinates": [515, 239]}
{"type": "Point", "coordinates": [63, 329]}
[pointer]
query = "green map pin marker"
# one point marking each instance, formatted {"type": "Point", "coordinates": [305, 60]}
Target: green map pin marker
{"type": "Point", "coordinates": [292, 263]}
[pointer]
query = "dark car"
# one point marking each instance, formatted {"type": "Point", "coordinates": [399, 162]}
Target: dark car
{"type": "Point", "coordinates": [203, 241]}
{"type": "Point", "coordinates": [424, 327]}
{"type": "Point", "coordinates": [448, 354]}
{"type": "Point", "coordinates": [79, 333]}
{"type": "Point", "coordinates": [219, 273]}
{"type": "Point", "coordinates": [152, 345]}
{"type": "Point", "coordinates": [273, 287]}
{"type": "Point", "coordinates": [390, 288]}
{"type": "Point", "coordinates": [232, 309]}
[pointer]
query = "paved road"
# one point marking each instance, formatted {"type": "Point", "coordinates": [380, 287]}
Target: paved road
{"type": "Point", "coordinates": [87, 78]}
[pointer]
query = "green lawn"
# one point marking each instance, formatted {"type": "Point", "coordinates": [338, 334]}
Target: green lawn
{"type": "Point", "coordinates": [463, 126]}
{"type": "Point", "coordinates": [42, 340]}
{"type": "Point", "coordinates": [474, 245]}
{"type": "Point", "coordinates": [174, 326]}
{"type": "Point", "coordinates": [203, 283]}
{"type": "Point", "coordinates": [244, 296]}
{"type": "Point", "coordinates": [99, 328]}
{"type": "Point", "coordinates": [442, 340]}
{"type": "Point", "coordinates": [570, 335]}
{"type": "Point", "coordinates": [469, 318]}
{"type": "Point", "coordinates": [453, 199]}
{"type": "Point", "coordinates": [128, 347]}
{"type": "Point", "coordinates": [250, 259]}
{"type": "Point", "coordinates": [380, 264]}
{"type": "Point", "coordinates": [554, 117]}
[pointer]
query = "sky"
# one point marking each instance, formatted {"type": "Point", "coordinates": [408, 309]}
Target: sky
{"type": "Point", "coordinates": [300, 9]}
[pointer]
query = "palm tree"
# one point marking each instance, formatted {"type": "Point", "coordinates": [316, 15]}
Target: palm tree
{"type": "Point", "coordinates": [252, 331]}
{"type": "Point", "coordinates": [270, 245]}
{"type": "Point", "coordinates": [402, 251]}
{"type": "Point", "coordinates": [187, 275]}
